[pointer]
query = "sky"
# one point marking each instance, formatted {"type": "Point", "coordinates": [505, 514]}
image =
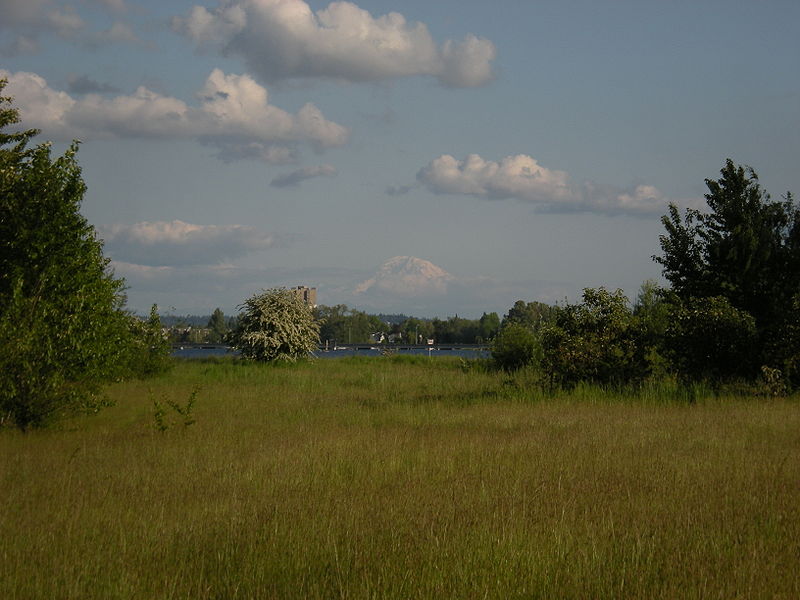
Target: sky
{"type": "Point", "coordinates": [432, 158]}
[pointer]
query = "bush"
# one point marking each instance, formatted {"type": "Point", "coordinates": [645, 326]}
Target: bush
{"type": "Point", "coordinates": [275, 325]}
{"type": "Point", "coordinates": [709, 339]}
{"type": "Point", "coordinates": [516, 346]}
{"type": "Point", "coordinates": [595, 341]}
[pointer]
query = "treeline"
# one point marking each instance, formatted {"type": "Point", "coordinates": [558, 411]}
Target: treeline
{"type": "Point", "coordinates": [730, 316]}
{"type": "Point", "coordinates": [340, 324]}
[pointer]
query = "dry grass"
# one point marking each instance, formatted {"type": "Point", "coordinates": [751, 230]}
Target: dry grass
{"type": "Point", "coordinates": [393, 479]}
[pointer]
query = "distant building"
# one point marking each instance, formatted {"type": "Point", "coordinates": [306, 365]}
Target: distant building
{"type": "Point", "coordinates": [306, 294]}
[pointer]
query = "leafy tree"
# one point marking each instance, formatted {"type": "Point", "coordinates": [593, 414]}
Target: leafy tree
{"type": "Point", "coordinates": [515, 346]}
{"type": "Point", "coordinates": [345, 325]}
{"type": "Point", "coordinates": [746, 249]}
{"type": "Point", "coordinates": [456, 330]}
{"type": "Point", "coordinates": [63, 331]}
{"type": "Point", "coordinates": [596, 340]}
{"type": "Point", "coordinates": [150, 348]}
{"type": "Point", "coordinates": [709, 339]}
{"type": "Point", "coordinates": [217, 327]}
{"type": "Point", "coordinates": [531, 314]}
{"type": "Point", "coordinates": [652, 311]}
{"type": "Point", "coordinates": [488, 327]}
{"type": "Point", "coordinates": [416, 331]}
{"type": "Point", "coordinates": [276, 325]}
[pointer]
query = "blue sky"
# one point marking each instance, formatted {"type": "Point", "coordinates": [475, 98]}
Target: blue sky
{"type": "Point", "coordinates": [507, 150]}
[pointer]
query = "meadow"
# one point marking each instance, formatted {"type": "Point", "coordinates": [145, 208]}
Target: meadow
{"type": "Point", "coordinates": [401, 478]}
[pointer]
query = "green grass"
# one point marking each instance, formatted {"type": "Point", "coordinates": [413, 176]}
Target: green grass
{"type": "Point", "coordinates": [402, 478]}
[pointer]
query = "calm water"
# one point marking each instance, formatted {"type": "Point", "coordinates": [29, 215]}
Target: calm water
{"type": "Point", "coordinates": [209, 352]}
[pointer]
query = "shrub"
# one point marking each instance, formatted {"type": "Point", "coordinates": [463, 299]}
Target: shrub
{"type": "Point", "coordinates": [275, 325]}
{"type": "Point", "coordinates": [516, 346]}
{"type": "Point", "coordinates": [594, 341]}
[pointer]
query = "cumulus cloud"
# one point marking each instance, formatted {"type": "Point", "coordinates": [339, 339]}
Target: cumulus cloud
{"type": "Point", "coordinates": [523, 178]}
{"type": "Point", "coordinates": [282, 39]}
{"type": "Point", "coordinates": [162, 244]}
{"type": "Point", "coordinates": [26, 20]}
{"type": "Point", "coordinates": [296, 177]}
{"type": "Point", "coordinates": [234, 115]}
{"type": "Point", "coordinates": [83, 84]}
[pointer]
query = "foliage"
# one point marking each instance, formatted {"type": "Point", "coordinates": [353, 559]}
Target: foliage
{"type": "Point", "coordinates": [530, 314]}
{"type": "Point", "coordinates": [594, 341]}
{"type": "Point", "coordinates": [709, 339]}
{"type": "Point", "coordinates": [340, 324]}
{"type": "Point", "coordinates": [746, 250]}
{"type": "Point", "coordinates": [515, 346]}
{"type": "Point", "coordinates": [217, 327]}
{"type": "Point", "coordinates": [150, 348]}
{"type": "Point", "coordinates": [275, 325]}
{"type": "Point", "coordinates": [488, 327]}
{"type": "Point", "coordinates": [183, 414]}
{"type": "Point", "coordinates": [62, 328]}
{"type": "Point", "coordinates": [415, 331]}
{"type": "Point", "coordinates": [652, 313]}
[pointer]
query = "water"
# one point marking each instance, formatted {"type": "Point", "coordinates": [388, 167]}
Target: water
{"type": "Point", "coordinates": [433, 351]}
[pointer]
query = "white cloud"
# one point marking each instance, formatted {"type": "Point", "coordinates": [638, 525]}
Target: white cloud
{"type": "Point", "coordinates": [523, 178]}
{"type": "Point", "coordinates": [281, 39]}
{"type": "Point", "coordinates": [162, 244]}
{"type": "Point", "coordinates": [234, 115]}
{"type": "Point", "coordinates": [26, 20]}
{"type": "Point", "coordinates": [296, 177]}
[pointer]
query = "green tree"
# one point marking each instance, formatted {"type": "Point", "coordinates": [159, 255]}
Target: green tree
{"type": "Point", "coordinates": [516, 346]}
{"type": "Point", "coordinates": [531, 314]}
{"type": "Point", "coordinates": [150, 347]}
{"type": "Point", "coordinates": [596, 340]}
{"type": "Point", "coordinates": [345, 325]}
{"type": "Point", "coordinates": [488, 327]}
{"type": "Point", "coordinates": [746, 249]}
{"type": "Point", "coordinates": [652, 310]}
{"type": "Point", "coordinates": [709, 339]}
{"type": "Point", "coordinates": [217, 327]}
{"type": "Point", "coordinates": [63, 331]}
{"type": "Point", "coordinates": [416, 331]}
{"type": "Point", "coordinates": [275, 324]}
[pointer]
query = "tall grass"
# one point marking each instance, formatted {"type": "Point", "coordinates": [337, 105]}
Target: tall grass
{"type": "Point", "coordinates": [402, 478]}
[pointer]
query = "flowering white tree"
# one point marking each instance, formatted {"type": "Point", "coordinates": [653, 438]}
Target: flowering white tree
{"type": "Point", "coordinates": [275, 325]}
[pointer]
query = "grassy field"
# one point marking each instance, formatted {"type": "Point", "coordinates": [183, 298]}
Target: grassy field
{"type": "Point", "coordinates": [392, 478]}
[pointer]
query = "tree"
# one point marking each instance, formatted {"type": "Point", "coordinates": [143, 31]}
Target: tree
{"type": "Point", "coordinates": [531, 314]}
{"type": "Point", "coordinates": [488, 327]}
{"type": "Point", "coordinates": [63, 331]}
{"type": "Point", "coordinates": [217, 327]}
{"type": "Point", "coordinates": [652, 311]}
{"type": "Point", "coordinates": [746, 250]}
{"type": "Point", "coordinates": [515, 346]}
{"type": "Point", "coordinates": [596, 340]}
{"type": "Point", "coordinates": [345, 325]}
{"type": "Point", "coordinates": [275, 325]}
{"type": "Point", "coordinates": [150, 347]}
{"type": "Point", "coordinates": [709, 339]}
